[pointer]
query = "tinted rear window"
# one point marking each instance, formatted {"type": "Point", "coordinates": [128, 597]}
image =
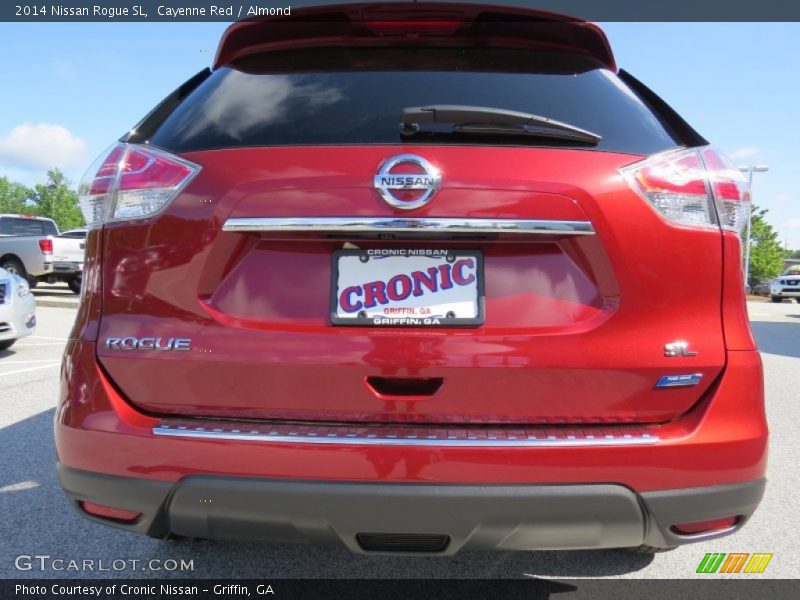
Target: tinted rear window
{"type": "Point", "coordinates": [16, 226]}
{"type": "Point", "coordinates": [356, 96]}
{"type": "Point", "coordinates": [50, 228]}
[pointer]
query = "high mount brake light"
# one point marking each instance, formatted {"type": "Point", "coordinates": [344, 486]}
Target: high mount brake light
{"type": "Point", "coordinates": [401, 27]}
{"type": "Point", "coordinates": [129, 181]}
{"type": "Point", "coordinates": [697, 187]}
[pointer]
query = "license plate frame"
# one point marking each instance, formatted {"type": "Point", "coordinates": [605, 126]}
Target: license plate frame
{"type": "Point", "coordinates": [439, 256]}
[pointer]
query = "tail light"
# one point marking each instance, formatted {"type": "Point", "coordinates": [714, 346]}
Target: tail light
{"type": "Point", "coordinates": [731, 193]}
{"type": "Point", "coordinates": [46, 246]}
{"type": "Point", "coordinates": [132, 182]}
{"type": "Point", "coordinates": [695, 187]}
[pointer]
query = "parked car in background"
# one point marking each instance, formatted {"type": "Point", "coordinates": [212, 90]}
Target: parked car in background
{"type": "Point", "coordinates": [761, 288]}
{"type": "Point", "coordinates": [75, 233]}
{"type": "Point", "coordinates": [24, 245]}
{"type": "Point", "coordinates": [33, 248]}
{"type": "Point", "coordinates": [17, 309]}
{"type": "Point", "coordinates": [396, 280]}
{"type": "Point", "coordinates": [66, 261]}
{"type": "Point", "coordinates": [786, 285]}
{"type": "Point", "coordinates": [27, 225]}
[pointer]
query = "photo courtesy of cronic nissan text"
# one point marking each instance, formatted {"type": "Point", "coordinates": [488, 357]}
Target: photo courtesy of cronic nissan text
{"type": "Point", "coordinates": [399, 299]}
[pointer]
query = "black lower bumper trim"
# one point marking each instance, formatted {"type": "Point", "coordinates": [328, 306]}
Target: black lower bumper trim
{"type": "Point", "coordinates": [499, 517]}
{"type": "Point", "coordinates": [429, 543]}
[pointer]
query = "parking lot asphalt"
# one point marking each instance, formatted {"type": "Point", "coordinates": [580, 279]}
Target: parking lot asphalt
{"type": "Point", "coordinates": [55, 295]}
{"type": "Point", "coordinates": [37, 520]}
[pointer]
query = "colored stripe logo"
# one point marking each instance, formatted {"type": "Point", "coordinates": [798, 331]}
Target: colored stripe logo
{"type": "Point", "coordinates": [671, 381]}
{"type": "Point", "coordinates": [734, 562]}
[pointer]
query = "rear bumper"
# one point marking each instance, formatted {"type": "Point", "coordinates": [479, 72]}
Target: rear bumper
{"type": "Point", "coordinates": [494, 517]}
{"type": "Point", "coordinates": [708, 464]}
{"type": "Point", "coordinates": [786, 292]}
{"type": "Point", "coordinates": [63, 269]}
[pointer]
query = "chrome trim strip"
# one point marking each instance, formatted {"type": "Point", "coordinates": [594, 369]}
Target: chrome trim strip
{"type": "Point", "coordinates": [443, 225]}
{"type": "Point", "coordinates": [392, 437]}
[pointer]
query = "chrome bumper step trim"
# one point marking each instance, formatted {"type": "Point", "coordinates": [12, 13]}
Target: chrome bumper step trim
{"type": "Point", "coordinates": [406, 435]}
{"type": "Point", "coordinates": [407, 225]}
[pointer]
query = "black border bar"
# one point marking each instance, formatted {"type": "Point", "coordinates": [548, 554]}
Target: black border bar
{"type": "Point", "coordinates": [531, 588]}
{"type": "Point", "coordinates": [593, 10]}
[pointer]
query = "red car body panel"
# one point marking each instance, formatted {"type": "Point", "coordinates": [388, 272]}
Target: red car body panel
{"type": "Point", "coordinates": [736, 323]}
{"type": "Point", "coordinates": [558, 309]}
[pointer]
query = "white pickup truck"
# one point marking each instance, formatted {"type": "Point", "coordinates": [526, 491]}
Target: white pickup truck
{"type": "Point", "coordinates": [32, 247]}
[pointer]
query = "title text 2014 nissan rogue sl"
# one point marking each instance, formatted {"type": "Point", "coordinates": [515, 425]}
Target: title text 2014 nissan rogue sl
{"type": "Point", "coordinates": [414, 279]}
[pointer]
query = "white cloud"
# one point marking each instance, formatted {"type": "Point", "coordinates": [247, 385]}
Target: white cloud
{"type": "Point", "coordinates": [42, 146]}
{"type": "Point", "coordinates": [745, 152]}
{"type": "Point", "coordinates": [792, 224]}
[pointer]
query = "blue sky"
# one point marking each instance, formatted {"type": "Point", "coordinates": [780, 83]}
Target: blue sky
{"type": "Point", "coordinates": [69, 90]}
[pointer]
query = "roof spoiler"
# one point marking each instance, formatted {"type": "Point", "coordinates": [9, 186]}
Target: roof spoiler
{"type": "Point", "coordinates": [393, 24]}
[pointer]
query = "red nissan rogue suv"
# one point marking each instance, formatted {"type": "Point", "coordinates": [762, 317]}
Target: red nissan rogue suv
{"type": "Point", "coordinates": [414, 278]}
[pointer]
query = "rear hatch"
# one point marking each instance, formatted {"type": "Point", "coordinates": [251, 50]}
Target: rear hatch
{"type": "Point", "coordinates": [571, 315]}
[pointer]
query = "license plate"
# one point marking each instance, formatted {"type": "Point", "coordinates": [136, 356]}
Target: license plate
{"type": "Point", "coordinates": [407, 288]}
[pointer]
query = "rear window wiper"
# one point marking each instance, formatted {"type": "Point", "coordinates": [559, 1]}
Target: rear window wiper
{"type": "Point", "coordinates": [438, 119]}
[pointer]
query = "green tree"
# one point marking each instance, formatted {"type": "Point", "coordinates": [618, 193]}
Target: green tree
{"type": "Point", "coordinates": [55, 199]}
{"type": "Point", "coordinates": [766, 252]}
{"type": "Point", "coordinates": [794, 254]}
{"type": "Point", "coordinates": [14, 197]}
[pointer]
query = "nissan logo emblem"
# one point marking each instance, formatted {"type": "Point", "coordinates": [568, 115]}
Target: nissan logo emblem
{"type": "Point", "coordinates": [407, 181]}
